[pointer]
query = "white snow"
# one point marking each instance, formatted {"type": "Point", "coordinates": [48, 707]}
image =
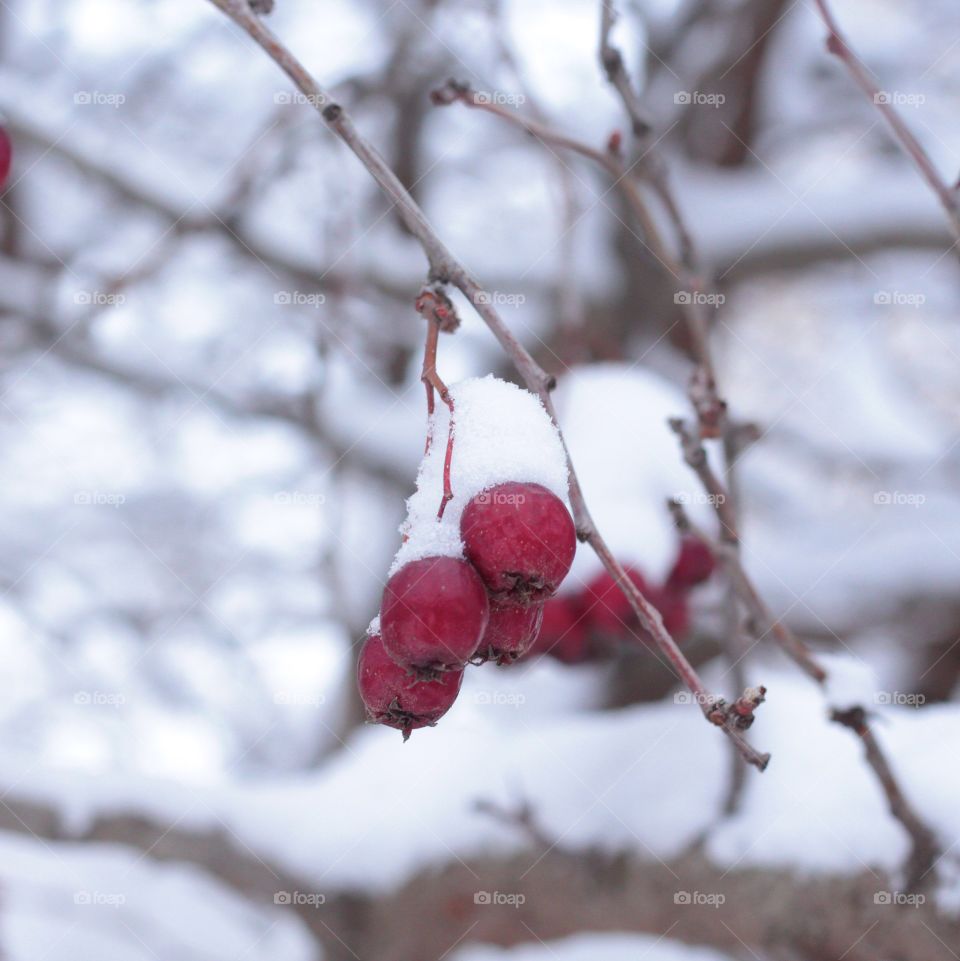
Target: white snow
{"type": "Point", "coordinates": [851, 681]}
{"type": "Point", "coordinates": [501, 433]}
{"type": "Point", "coordinates": [648, 779]}
{"type": "Point", "coordinates": [602, 946]}
{"type": "Point", "coordinates": [65, 902]}
{"type": "Point", "coordinates": [614, 419]}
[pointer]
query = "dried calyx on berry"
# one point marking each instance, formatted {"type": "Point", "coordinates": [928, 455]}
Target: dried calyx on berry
{"type": "Point", "coordinates": [393, 696]}
{"type": "Point", "coordinates": [521, 539]}
{"type": "Point", "coordinates": [510, 633]}
{"type": "Point", "coordinates": [468, 581]}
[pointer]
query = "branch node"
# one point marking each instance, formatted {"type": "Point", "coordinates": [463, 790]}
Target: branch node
{"type": "Point", "coordinates": [434, 305]}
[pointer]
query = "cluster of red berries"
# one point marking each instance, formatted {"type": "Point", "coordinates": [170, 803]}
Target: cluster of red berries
{"type": "Point", "coordinates": [440, 613]}
{"type": "Point", "coordinates": [6, 155]}
{"type": "Point", "coordinates": [595, 621]}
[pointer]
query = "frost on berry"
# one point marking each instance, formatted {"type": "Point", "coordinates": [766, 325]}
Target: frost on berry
{"type": "Point", "coordinates": [510, 633]}
{"type": "Point", "coordinates": [433, 614]}
{"type": "Point", "coordinates": [521, 539]}
{"type": "Point", "coordinates": [394, 697]}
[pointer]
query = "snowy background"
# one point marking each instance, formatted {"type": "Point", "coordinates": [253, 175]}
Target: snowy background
{"type": "Point", "coordinates": [211, 416]}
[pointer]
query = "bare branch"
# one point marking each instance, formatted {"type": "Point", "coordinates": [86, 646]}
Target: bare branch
{"type": "Point", "coordinates": [924, 850]}
{"type": "Point", "coordinates": [838, 46]}
{"type": "Point", "coordinates": [445, 268]}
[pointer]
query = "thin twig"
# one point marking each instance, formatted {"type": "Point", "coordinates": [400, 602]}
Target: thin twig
{"type": "Point", "coordinates": [445, 268]}
{"type": "Point", "coordinates": [924, 847]}
{"type": "Point", "coordinates": [924, 854]}
{"type": "Point", "coordinates": [705, 392]}
{"type": "Point", "coordinates": [688, 284]}
{"type": "Point", "coordinates": [838, 46]}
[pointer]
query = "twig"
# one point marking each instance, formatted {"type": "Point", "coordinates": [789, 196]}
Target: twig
{"type": "Point", "coordinates": [705, 394]}
{"type": "Point", "coordinates": [711, 408]}
{"type": "Point", "coordinates": [445, 268]}
{"type": "Point", "coordinates": [924, 851]}
{"type": "Point", "coordinates": [522, 817]}
{"type": "Point", "coordinates": [616, 72]}
{"type": "Point", "coordinates": [924, 854]}
{"type": "Point", "coordinates": [838, 46]}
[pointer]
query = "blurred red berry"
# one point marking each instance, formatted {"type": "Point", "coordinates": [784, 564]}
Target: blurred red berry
{"type": "Point", "coordinates": [694, 564]}
{"type": "Point", "coordinates": [563, 631]}
{"type": "Point", "coordinates": [521, 539]}
{"type": "Point", "coordinates": [433, 614]}
{"type": "Point", "coordinates": [673, 608]}
{"type": "Point", "coordinates": [398, 699]}
{"type": "Point", "coordinates": [608, 611]}
{"type": "Point", "coordinates": [510, 633]}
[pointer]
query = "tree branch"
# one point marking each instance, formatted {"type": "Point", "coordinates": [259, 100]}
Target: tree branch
{"type": "Point", "coordinates": [445, 268]}
{"type": "Point", "coordinates": [838, 46]}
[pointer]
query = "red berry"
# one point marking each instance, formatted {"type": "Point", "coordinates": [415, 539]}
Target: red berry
{"type": "Point", "coordinates": [563, 632]}
{"type": "Point", "coordinates": [398, 699]}
{"type": "Point", "coordinates": [433, 614]}
{"type": "Point", "coordinates": [510, 633]}
{"type": "Point", "coordinates": [608, 611]}
{"type": "Point", "coordinates": [6, 153]}
{"type": "Point", "coordinates": [521, 540]}
{"type": "Point", "coordinates": [694, 564]}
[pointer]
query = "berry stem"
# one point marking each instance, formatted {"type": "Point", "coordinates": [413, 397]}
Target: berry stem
{"type": "Point", "coordinates": [433, 305]}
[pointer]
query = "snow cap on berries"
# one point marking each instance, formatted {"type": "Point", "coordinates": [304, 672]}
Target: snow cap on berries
{"type": "Point", "coordinates": [501, 433]}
